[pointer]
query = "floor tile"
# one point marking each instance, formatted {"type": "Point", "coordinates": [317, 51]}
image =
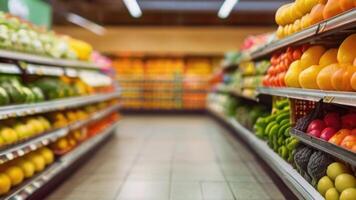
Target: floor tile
{"type": "Point", "coordinates": [186, 191]}
{"type": "Point", "coordinates": [216, 190]}
{"type": "Point", "coordinates": [144, 190]}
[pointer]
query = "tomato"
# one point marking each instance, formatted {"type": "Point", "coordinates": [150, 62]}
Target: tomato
{"type": "Point", "coordinates": [304, 47]}
{"type": "Point", "coordinates": [297, 54]}
{"type": "Point", "coordinates": [281, 79]}
{"type": "Point", "coordinates": [274, 59]}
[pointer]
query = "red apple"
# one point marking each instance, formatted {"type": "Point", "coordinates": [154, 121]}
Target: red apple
{"type": "Point", "coordinates": [332, 120]}
{"type": "Point", "coordinates": [315, 133]}
{"type": "Point", "coordinates": [327, 133]}
{"type": "Point", "coordinates": [348, 121]}
{"type": "Point", "coordinates": [316, 124]}
{"type": "Point", "coordinates": [353, 132]}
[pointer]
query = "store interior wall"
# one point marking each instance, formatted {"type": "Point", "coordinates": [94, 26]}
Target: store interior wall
{"type": "Point", "coordinates": [189, 40]}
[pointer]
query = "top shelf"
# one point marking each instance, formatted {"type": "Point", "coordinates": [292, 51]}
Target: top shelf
{"type": "Point", "coordinates": [320, 32]}
{"type": "Point", "coordinates": [12, 55]}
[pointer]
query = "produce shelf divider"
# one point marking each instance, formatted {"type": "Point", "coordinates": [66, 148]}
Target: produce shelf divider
{"type": "Point", "coordinates": [313, 33]}
{"type": "Point", "coordinates": [51, 136]}
{"type": "Point", "coordinates": [342, 98]}
{"type": "Point", "coordinates": [13, 55]}
{"type": "Point", "coordinates": [36, 108]}
{"type": "Point", "coordinates": [300, 187]}
{"type": "Point", "coordinates": [326, 147]}
{"type": "Point", "coordinates": [32, 185]}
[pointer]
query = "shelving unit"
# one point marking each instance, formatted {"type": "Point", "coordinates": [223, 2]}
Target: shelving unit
{"type": "Point", "coordinates": [336, 151]}
{"type": "Point", "coordinates": [300, 187]}
{"type": "Point", "coordinates": [12, 55]}
{"type": "Point", "coordinates": [236, 94]}
{"type": "Point", "coordinates": [340, 24]}
{"type": "Point", "coordinates": [35, 184]}
{"type": "Point", "coordinates": [36, 108]}
{"type": "Point", "coordinates": [343, 98]}
{"type": "Point", "coordinates": [44, 139]}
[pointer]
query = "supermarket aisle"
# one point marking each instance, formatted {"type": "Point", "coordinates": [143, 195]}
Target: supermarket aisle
{"type": "Point", "coordinates": [176, 158]}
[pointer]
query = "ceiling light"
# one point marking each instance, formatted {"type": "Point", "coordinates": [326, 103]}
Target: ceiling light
{"type": "Point", "coordinates": [133, 8]}
{"type": "Point", "coordinates": [226, 8]}
{"type": "Point", "coordinates": [85, 23]}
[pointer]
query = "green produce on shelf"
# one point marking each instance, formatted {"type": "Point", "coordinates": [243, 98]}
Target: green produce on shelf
{"type": "Point", "coordinates": [13, 91]}
{"type": "Point", "coordinates": [275, 129]}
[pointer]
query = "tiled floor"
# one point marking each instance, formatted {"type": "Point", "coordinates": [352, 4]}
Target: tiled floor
{"type": "Point", "coordinates": [170, 158]}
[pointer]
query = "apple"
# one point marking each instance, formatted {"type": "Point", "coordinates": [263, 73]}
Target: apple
{"type": "Point", "coordinates": [348, 121]}
{"type": "Point", "coordinates": [332, 120]}
{"type": "Point", "coordinates": [353, 132]}
{"type": "Point", "coordinates": [316, 124]}
{"type": "Point", "coordinates": [327, 133]}
{"type": "Point", "coordinates": [315, 133]}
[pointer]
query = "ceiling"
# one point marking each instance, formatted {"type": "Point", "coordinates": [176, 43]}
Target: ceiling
{"type": "Point", "coordinates": [169, 12]}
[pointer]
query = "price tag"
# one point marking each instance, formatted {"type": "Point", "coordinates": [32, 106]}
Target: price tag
{"type": "Point", "coordinates": [328, 99]}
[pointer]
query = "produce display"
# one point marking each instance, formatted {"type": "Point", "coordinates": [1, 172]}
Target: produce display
{"type": "Point", "coordinates": [76, 137]}
{"type": "Point", "coordinates": [245, 79]}
{"type": "Point", "coordinates": [301, 14]}
{"type": "Point", "coordinates": [18, 170]}
{"type": "Point", "coordinates": [164, 83]}
{"type": "Point", "coordinates": [333, 124]}
{"type": "Point", "coordinates": [339, 182]}
{"type": "Point", "coordinates": [13, 131]}
{"type": "Point", "coordinates": [309, 78]}
{"type": "Point", "coordinates": [315, 67]}
{"type": "Point", "coordinates": [275, 129]}
{"type": "Point", "coordinates": [19, 35]}
{"type": "Point", "coordinates": [279, 74]}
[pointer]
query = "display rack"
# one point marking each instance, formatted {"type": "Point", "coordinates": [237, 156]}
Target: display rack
{"type": "Point", "coordinates": [342, 98]}
{"type": "Point", "coordinates": [236, 94]}
{"type": "Point", "coordinates": [18, 150]}
{"type": "Point", "coordinates": [299, 186]}
{"type": "Point", "coordinates": [314, 34]}
{"type": "Point", "coordinates": [36, 108]}
{"type": "Point", "coordinates": [334, 150]}
{"type": "Point", "coordinates": [12, 55]}
{"type": "Point", "coordinates": [35, 184]}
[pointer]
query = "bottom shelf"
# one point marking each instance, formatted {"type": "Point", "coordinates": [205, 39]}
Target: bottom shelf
{"type": "Point", "coordinates": [299, 186]}
{"type": "Point", "coordinates": [35, 184]}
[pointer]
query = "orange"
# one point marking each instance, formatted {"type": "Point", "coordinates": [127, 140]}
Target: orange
{"type": "Point", "coordinates": [331, 9]}
{"type": "Point", "coordinates": [339, 136]}
{"type": "Point", "coordinates": [349, 141]}
{"type": "Point", "coordinates": [324, 77]}
{"type": "Point", "coordinates": [316, 14]}
{"type": "Point", "coordinates": [346, 4]}
{"type": "Point", "coordinates": [340, 80]}
{"type": "Point", "coordinates": [347, 53]}
{"type": "Point", "coordinates": [353, 81]}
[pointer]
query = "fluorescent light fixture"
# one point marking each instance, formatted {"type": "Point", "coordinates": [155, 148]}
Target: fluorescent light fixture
{"type": "Point", "coordinates": [85, 23]}
{"type": "Point", "coordinates": [226, 8]}
{"type": "Point", "coordinates": [133, 7]}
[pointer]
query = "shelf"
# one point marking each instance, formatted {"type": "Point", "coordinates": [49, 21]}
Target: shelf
{"type": "Point", "coordinates": [13, 55]}
{"type": "Point", "coordinates": [314, 34]}
{"type": "Point", "coordinates": [31, 186]}
{"type": "Point", "coordinates": [235, 94]}
{"type": "Point", "coordinates": [36, 108]}
{"type": "Point", "coordinates": [334, 150]}
{"type": "Point", "coordinates": [342, 98]}
{"type": "Point", "coordinates": [44, 139]}
{"type": "Point", "coordinates": [300, 187]}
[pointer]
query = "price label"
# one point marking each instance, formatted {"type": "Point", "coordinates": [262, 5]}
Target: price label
{"type": "Point", "coordinates": [328, 99]}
